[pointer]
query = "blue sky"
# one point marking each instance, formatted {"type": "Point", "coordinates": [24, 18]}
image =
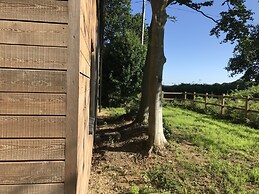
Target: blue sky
{"type": "Point", "coordinates": [192, 55]}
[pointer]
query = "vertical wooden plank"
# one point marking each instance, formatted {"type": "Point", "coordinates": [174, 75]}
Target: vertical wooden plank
{"type": "Point", "coordinates": [83, 131]}
{"type": "Point", "coordinates": [194, 97]}
{"type": "Point", "coordinates": [247, 106]}
{"type": "Point", "coordinates": [72, 95]}
{"type": "Point", "coordinates": [84, 66]}
{"type": "Point", "coordinates": [222, 107]}
{"type": "Point", "coordinates": [206, 102]}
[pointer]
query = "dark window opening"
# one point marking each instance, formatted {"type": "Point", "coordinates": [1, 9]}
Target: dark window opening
{"type": "Point", "coordinates": [93, 89]}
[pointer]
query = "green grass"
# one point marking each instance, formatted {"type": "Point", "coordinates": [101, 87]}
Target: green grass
{"type": "Point", "coordinates": [238, 116]}
{"type": "Point", "coordinates": [217, 136]}
{"type": "Point", "coordinates": [227, 156]}
{"type": "Point", "coordinates": [116, 112]}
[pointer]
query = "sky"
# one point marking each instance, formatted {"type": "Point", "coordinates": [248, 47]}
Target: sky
{"type": "Point", "coordinates": [193, 56]}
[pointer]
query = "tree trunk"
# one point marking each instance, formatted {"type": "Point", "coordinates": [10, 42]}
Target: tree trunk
{"type": "Point", "coordinates": [142, 116]}
{"type": "Point", "coordinates": [156, 63]}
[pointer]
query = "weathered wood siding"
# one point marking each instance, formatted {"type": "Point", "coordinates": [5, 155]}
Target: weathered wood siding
{"type": "Point", "coordinates": [88, 43]}
{"type": "Point", "coordinates": [33, 87]}
{"type": "Point", "coordinates": [47, 48]}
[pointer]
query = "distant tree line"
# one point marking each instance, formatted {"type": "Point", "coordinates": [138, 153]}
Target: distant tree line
{"type": "Point", "coordinates": [218, 89]}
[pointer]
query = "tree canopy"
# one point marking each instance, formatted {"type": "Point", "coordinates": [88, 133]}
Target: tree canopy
{"type": "Point", "coordinates": [123, 54]}
{"type": "Point", "coordinates": [124, 59]}
{"type": "Point", "coordinates": [246, 57]}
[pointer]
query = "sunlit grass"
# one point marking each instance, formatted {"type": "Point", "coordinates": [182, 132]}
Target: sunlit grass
{"type": "Point", "coordinates": [206, 155]}
{"type": "Point", "coordinates": [216, 135]}
{"type": "Point", "coordinates": [230, 154]}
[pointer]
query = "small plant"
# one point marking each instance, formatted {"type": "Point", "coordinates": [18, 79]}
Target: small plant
{"type": "Point", "coordinates": [134, 189]}
{"type": "Point", "coordinates": [162, 178]}
{"type": "Point", "coordinates": [254, 176]}
{"type": "Point", "coordinates": [167, 130]}
{"type": "Point", "coordinates": [132, 105]}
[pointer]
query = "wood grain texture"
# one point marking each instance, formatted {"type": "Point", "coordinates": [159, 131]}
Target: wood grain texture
{"type": "Point", "coordinates": [85, 141]}
{"type": "Point", "coordinates": [32, 127]}
{"type": "Point", "coordinates": [88, 158]}
{"type": "Point", "coordinates": [34, 57]}
{"type": "Point", "coordinates": [84, 66]}
{"type": "Point", "coordinates": [72, 97]}
{"type": "Point", "coordinates": [32, 104]}
{"type": "Point", "coordinates": [85, 22]}
{"type": "Point", "coordinates": [34, 10]}
{"type": "Point", "coordinates": [13, 80]}
{"type": "Point", "coordinates": [94, 24]}
{"type": "Point", "coordinates": [31, 149]}
{"type": "Point", "coordinates": [28, 33]}
{"type": "Point", "coordinates": [57, 188]}
{"type": "Point", "coordinates": [85, 56]}
{"type": "Point", "coordinates": [13, 173]}
{"type": "Point", "coordinates": [84, 146]}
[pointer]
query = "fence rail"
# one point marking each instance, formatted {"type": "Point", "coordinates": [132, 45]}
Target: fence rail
{"type": "Point", "coordinates": [203, 99]}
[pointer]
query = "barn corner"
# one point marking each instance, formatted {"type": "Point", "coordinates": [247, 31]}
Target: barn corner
{"type": "Point", "coordinates": [49, 56]}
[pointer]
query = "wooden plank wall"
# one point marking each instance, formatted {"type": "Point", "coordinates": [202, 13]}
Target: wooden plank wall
{"type": "Point", "coordinates": [88, 43]}
{"type": "Point", "coordinates": [33, 96]}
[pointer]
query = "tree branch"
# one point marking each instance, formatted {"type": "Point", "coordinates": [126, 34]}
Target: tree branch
{"type": "Point", "coordinates": [204, 14]}
{"type": "Point", "coordinates": [170, 2]}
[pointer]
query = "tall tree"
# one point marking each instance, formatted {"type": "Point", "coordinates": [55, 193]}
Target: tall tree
{"type": "Point", "coordinates": [232, 22]}
{"type": "Point", "coordinates": [143, 111]}
{"type": "Point", "coordinates": [123, 54]}
{"type": "Point", "coordinates": [124, 59]}
{"type": "Point", "coordinates": [246, 57]}
{"type": "Point", "coordinates": [116, 18]}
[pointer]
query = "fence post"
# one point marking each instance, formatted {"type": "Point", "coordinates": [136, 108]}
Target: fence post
{"type": "Point", "coordinates": [247, 106]}
{"type": "Point", "coordinates": [206, 102]}
{"type": "Point", "coordinates": [185, 96]}
{"type": "Point", "coordinates": [163, 96]}
{"type": "Point", "coordinates": [222, 111]}
{"type": "Point", "coordinates": [194, 97]}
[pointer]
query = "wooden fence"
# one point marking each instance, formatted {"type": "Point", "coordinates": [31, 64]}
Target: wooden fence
{"type": "Point", "coordinates": [204, 99]}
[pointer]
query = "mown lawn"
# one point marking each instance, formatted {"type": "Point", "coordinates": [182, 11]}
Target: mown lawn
{"type": "Point", "coordinates": [205, 156]}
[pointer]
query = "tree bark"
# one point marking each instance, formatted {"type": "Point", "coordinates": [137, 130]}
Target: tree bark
{"type": "Point", "coordinates": [142, 116]}
{"type": "Point", "coordinates": [156, 63]}
{"type": "Point", "coordinates": [143, 112]}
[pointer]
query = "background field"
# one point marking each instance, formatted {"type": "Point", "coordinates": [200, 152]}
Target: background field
{"type": "Point", "coordinates": [205, 155]}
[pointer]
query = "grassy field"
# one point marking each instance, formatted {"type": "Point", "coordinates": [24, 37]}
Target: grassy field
{"type": "Point", "coordinates": [238, 116]}
{"type": "Point", "coordinates": [217, 157]}
{"type": "Point", "coordinates": [205, 155]}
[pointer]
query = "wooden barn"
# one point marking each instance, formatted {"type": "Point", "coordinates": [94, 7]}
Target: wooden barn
{"type": "Point", "coordinates": [48, 64]}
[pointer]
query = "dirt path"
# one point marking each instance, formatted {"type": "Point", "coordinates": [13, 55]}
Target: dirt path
{"type": "Point", "coordinates": [117, 158]}
{"type": "Point", "coordinates": [120, 160]}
